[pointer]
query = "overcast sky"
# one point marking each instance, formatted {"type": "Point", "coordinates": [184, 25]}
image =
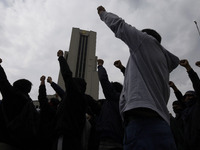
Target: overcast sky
{"type": "Point", "coordinates": [31, 33]}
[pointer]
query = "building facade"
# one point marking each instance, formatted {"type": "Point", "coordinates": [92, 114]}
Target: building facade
{"type": "Point", "coordinates": [82, 60]}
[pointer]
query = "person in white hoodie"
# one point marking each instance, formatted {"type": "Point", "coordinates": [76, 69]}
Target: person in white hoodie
{"type": "Point", "coordinates": [145, 94]}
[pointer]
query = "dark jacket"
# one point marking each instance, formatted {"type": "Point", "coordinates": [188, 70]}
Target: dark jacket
{"type": "Point", "coordinates": [176, 125]}
{"type": "Point", "coordinates": [180, 98]}
{"type": "Point", "coordinates": [191, 116]}
{"type": "Point", "coordinates": [93, 109]}
{"type": "Point", "coordinates": [47, 118]}
{"type": "Point", "coordinates": [4, 137]}
{"type": "Point", "coordinates": [20, 115]}
{"type": "Point", "coordinates": [58, 89]}
{"type": "Point", "coordinates": [70, 116]}
{"type": "Point", "coordinates": [109, 124]}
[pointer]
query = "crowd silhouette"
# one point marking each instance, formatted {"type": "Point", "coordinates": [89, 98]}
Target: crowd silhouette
{"type": "Point", "coordinates": [133, 116]}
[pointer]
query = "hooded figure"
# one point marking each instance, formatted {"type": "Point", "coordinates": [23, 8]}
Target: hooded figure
{"type": "Point", "coordinates": [19, 113]}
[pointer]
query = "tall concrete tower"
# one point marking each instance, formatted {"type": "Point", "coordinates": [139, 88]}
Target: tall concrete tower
{"type": "Point", "coordinates": [82, 60]}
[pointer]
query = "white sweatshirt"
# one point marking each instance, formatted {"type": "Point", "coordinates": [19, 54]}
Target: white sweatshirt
{"type": "Point", "coordinates": [146, 82]}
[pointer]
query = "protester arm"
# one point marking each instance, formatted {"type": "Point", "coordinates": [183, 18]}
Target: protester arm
{"type": "Point", "coordinates": [177, 92]}
{"type": "Point", "coordinates": [123, 70]}
{"type": "Point", "coordinates": [195, 81]}
{"type": "Point", "coordinates": [66, 72]}
{"type": "Point", "coordinates": [108, 89]}
{"type": "Point", "coordinates": [192, 75]}
{"type": "Point", "coordinates": [70, 85]}
{"type": "Point", "coordinates": [58, 89]}
{"type": "Point", "coordinates": [93, 104]}
{"type": "Point", "coordinates": [5, 87]}
{"type": "Point", "coordinates": [119, 65]}
{"type": "Point", "coordinates": [42, 97]}
{"type": "Point", "coordinates": [127, 33]}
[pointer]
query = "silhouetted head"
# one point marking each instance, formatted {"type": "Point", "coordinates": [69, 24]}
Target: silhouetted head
{"type": "Point", "coordinates": [118, 86]}
{"type": "Point", "coordinates": [54, 102]}
{"type": "Point", "coordinates": [23, 85]}
{"type": "Point", "coordinates": [153, 33]}
{"type": "Point", "coordinates": [81, 83]}
{"type": "Point", "coordinates": [177, 107]}
{"type": "Point", "coordinates": [189, 95]}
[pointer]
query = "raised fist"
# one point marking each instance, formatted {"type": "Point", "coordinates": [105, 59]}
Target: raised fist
{"type": "Point", "coordinates": [184, 62]}
{"type": "Point", "coordinates": [42, 78]}
{"type": "Point", "coordinates": [197, 63]}
{"type": "Point", "coordinates": [60, 53]}
{"type": "Point", "coordinates": [171, 84]}
{"type": "Point", "coordinates": [49, 79]}
{"type": "Point", "coordinates": [100, 9]}
{"type": "Point", "coordinates": [118, 64]}
{"type": "Point", "coordinates": [100, 62]}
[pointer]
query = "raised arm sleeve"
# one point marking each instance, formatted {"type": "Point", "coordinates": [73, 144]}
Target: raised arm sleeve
{"type": "Point", "coordinates": [195, 81]}
{"type": "Point", "coordinates": [58, 89]}
{"type": "Point", "coordinates": [5, 87]}
{"type": "Point", "coordinates": [127, 33]}
{"type": "Point", "coordinates": [66, 73]}
{"type": "Point", "coordinates": [108, 89]}
{"type": "Point", "coordinates": [42, 97]}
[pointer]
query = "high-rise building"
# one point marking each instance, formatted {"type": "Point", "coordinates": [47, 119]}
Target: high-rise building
{"type": "Point", "coordinates": [82, 60]}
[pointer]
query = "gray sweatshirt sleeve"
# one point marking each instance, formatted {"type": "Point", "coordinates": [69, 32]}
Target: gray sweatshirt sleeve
{"type": "Point", "coordinates": [127, 33]}
{"type": "Point", "coordinates": [172, 60]}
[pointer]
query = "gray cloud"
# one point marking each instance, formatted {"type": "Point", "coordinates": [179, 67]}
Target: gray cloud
{"type": "Point", "coordinates": [32, 32]}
